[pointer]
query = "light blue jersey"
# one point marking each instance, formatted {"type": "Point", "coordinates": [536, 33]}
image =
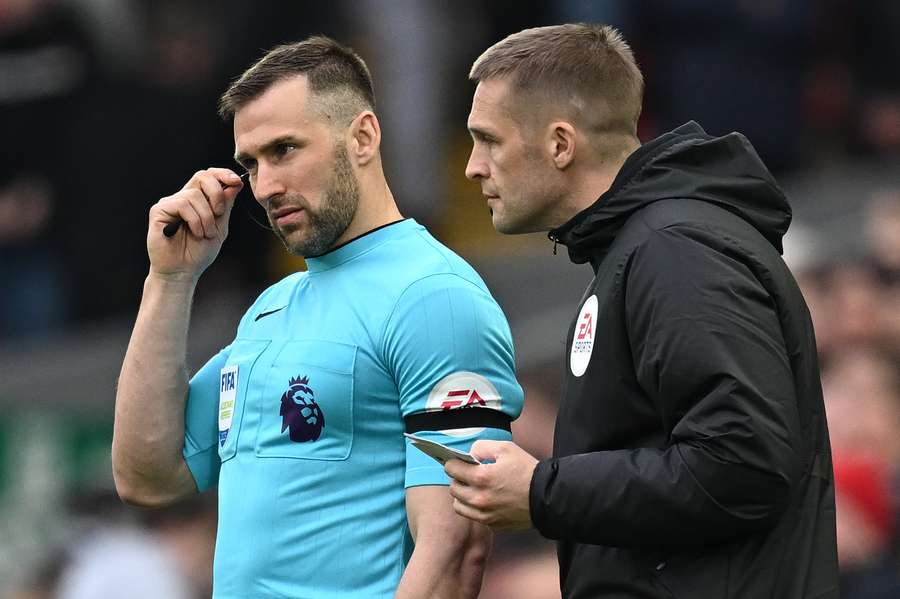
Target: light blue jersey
{"type": "Point", "coordinates": [300, 419]}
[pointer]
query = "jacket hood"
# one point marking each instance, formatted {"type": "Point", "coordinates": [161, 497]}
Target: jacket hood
{"type": "Point", "coordinates": [686, 163]}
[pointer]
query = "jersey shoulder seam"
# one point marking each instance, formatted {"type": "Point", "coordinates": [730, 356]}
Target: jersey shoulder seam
{"type": "Point", "coordinates": [400, 296]}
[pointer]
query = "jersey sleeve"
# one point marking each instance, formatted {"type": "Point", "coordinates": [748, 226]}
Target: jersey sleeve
{"type": "Point", "coordinates": [201, 431]}
{"type": "Point", "coordinates": [449, 348]}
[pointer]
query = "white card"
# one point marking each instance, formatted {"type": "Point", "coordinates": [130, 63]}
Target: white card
{"type": "Point", "coordinates": [228, 380]}
{"type": "Point", "coordinates": [439, 451]}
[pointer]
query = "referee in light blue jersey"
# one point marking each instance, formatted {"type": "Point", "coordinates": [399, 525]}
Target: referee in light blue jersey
{"type": "Point", "coordinates": [300, 420]}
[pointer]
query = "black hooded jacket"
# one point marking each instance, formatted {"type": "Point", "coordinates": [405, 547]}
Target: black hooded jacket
{"type": "Point", "coordinates": [691, 457]}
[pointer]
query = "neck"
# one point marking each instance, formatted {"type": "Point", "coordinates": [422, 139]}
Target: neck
{"type": "Point", "coordinates": [377, 206]}
{"type": "Point", "coordinates": [589, 185]}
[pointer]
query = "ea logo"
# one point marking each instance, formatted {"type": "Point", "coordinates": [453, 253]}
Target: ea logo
{"type": "Point", "coordinates": [462, 390]}
{"type": "Point", "coordinates": [583, 338]}
{"type": "Point", "coordinates": [300, 412]}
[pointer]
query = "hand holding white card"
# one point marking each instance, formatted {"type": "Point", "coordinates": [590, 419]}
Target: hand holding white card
{"type": "Point", "coordinates": [439, 451]}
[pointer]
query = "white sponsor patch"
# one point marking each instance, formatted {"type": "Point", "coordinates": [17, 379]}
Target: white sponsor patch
{"type": "Point", "coordinates": [463, 390]}
{"type": "Point", "coordinates": [583, 339]}
{"type": "Point", "coordinates": [228, 380]}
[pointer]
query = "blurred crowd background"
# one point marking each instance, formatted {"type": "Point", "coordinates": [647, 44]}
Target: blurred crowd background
{"type": "Point", "coordinates": [108, 105]}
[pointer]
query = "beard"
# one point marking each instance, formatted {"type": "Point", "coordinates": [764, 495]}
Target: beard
{"type": "Point", "coordinates": [326, 225]}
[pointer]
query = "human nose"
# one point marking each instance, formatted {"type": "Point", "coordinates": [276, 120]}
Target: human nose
{"type": "Point", "coordinates": [266, 184]}
{"type": "Point", "coordinates": [476, 168]}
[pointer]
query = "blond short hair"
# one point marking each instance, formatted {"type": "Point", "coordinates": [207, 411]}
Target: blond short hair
{"type": "Point", "coordinates": [588, 65]}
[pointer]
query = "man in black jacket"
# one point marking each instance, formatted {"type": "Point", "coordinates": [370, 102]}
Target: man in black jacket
{"type": "Point", "coordinates": [691, 456]}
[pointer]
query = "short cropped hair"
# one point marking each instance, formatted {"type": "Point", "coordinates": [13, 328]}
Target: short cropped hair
{"type": "Point", "coordinates": [580, 62]}
{"type": "Point", "coordinates": [330, 68]}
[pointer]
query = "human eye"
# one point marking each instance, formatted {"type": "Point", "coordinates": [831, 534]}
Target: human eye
{"type": "Point", "coordinates": [283, 149]}
{"type": "Point", "coordinates": [248, 165]}
{"type": "Point", "coordinates": [482, 138]}
{"type": "Point", "coordinates": [488, 139]}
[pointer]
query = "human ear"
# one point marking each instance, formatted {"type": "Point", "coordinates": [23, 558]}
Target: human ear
{"type": "Point", "coordinates": [365, 137]}
{"type": "Point", "coordinates": [562, 143]}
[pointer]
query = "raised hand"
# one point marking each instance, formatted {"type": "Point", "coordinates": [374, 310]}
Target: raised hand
{"type": "Point", "coordinates": [203, 205]}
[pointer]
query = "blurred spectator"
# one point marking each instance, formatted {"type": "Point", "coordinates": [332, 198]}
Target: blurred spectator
{"type": "Point", "coordinates": [170, 556]}
{"type": "Point", "coordinates": [188, 531]}
{"type": "Point", "coordinates": [109, 561]}
{"type": "Point", "coordinates": [862, 401]}
{"type": "Point", "coordinates": [883, 236]}
{"type": "Point", "coordinates": [853, 305]}
{"type": "Point", "coordinates": [866, 525]}
{"type": "Point", "coordinates": [44, 64]}
{"type": "Point", "coordinates": [876, 46]}
{"type": "Point", "coordinates": [883, 233]}
{"type": "Point", "coordinates": [855, 299]}
{"type": "Point", "coordinates": [34, 304]}
{"type": "Point", "coordinates": [865, 512]}
{"type": "Point", "coordinates": [42, 583]}
{"type": "Point", "coordinates": [134, 141]}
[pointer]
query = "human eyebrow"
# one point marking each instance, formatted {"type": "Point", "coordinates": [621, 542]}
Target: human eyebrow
{"type": "Point", "coordinates": [267, 148]}
{"type": "Point", "coordinates": [480, 134]}
{"type": "Point", "coordinates": [280, 141]}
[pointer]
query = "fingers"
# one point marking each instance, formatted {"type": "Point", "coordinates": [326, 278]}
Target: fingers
{"type": "Point", "coordinates": [463, 495]}
{"type": "Point", "coordinates": [467, 511]}
{"type": "Point", "coordinates": [214, 194]}
{"type": "Point", "coordinates": [485, 449]}
{"type": "Point", "coordinates": [225, 176]}
{"type": "Point", "coordinates": [219, 185]}
{"type": "Point", "coordinates": [460, 491]}
{"type": "Point", "coordinates": [203, 203]}
{"type": "Point", "coordinates": [179, 208]}
{"type": "Point", "coordinates": [202, 207]}
{"type": "Point", "coordinates": [471, 503]}
{"type": "Point", "coordinates": [461, 471]}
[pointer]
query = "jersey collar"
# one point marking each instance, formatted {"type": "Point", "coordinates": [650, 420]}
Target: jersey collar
{"type": "Point", "coordinates": [359, 245]}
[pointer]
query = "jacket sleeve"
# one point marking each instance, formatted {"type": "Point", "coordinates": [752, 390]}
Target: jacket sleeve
{"type": "Point", "coordinates": [708, 351]}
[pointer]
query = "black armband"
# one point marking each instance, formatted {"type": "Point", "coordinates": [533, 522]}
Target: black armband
{"type": "Point", "coordinates": [440, 420]}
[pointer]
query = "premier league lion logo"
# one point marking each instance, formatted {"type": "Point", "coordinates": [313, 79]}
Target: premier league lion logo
{"type": "Point", "coordinates": [300, 412]}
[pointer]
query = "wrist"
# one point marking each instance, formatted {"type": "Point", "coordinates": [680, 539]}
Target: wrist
{"type": "Point", "coordinates": [171, 281]}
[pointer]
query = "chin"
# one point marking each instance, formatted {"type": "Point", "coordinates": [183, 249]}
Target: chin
{"type": "Point", "coordinates": [294, 241]}
{"type": "Point", "coordinates": [512, 227]}
{"type": "Point", "coordinates": [508, 228]}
